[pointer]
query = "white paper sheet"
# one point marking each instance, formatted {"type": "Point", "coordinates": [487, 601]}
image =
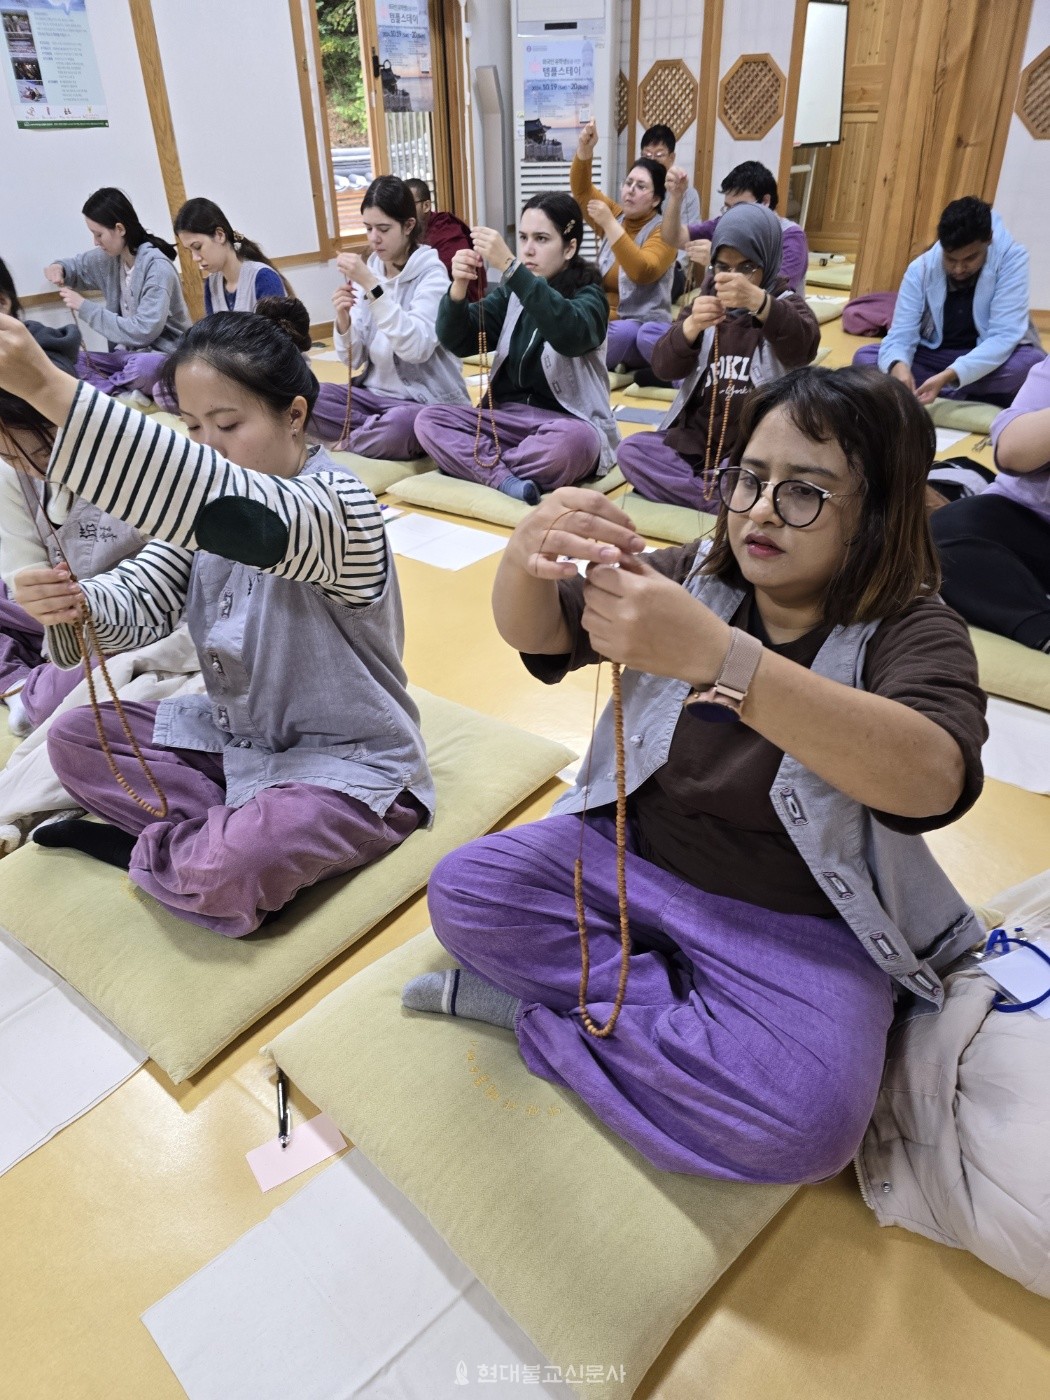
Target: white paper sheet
{"type": "Point", "coordinates": [1017, 749]}
{"type": "Point", "coordinates": [58, 1055]}
{"type": "Point", "coordinates": [948, 437]}
{"type": "Point", "coordinates": [440, 543]}
{"type": "Point", "coordinates": [346, 1291]}
{"type": "Point", "coordinates": [328, 356]}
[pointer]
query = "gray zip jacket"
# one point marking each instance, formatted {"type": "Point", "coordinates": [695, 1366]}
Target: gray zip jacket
{"type": "Point", "coordinates": [160, 318]}
{"type": "Point", "coordinates": [885, 884]}
{"type": "Point", "coordinates": [580, 383]}
{"type": "Point", "coordinates": [640, 301]}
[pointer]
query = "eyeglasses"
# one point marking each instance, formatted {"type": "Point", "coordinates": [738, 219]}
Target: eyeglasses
{"type": "Point", "coordinates": [643, 187]}
{"type": "Point", "coordinates": [797, 503]}
{"type": "Point", "coordinates": [744, 267]}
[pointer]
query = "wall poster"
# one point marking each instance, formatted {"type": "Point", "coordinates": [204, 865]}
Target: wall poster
{"type": "Point", "coordinates": [49, 61]}
{"type": "Point", "coordinates": [559, 96]}
{"type": "Point", "coordinates": [404, 55]}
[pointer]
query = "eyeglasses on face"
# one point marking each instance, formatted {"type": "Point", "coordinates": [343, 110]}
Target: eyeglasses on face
{"type": "Point", "coordinates": [797, 503]}
{"type": "Point", "coordinates": [743, 267]}
{"type": "Point", "coordinates": [641, 186]}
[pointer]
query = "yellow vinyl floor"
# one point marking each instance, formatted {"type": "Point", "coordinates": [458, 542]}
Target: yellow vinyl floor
{"type": "Point", "coordinates": [150, 1185]}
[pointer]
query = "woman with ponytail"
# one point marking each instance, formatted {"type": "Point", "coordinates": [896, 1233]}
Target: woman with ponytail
{"type": "Point", "coordinates": [142, 308]}
{"type": "Point", "coordinates": [550, 423]}
{"type": "Point", "coordinates": [236, 271]}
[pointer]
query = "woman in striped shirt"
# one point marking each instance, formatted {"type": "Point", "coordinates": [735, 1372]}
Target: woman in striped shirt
{"type": "Point", "coordinates": [303, 759]}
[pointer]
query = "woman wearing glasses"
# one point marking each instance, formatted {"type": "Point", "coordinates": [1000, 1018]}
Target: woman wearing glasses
{"type": "Point", "coordinates": [781, 899]}
{"type": "Point", "coordinates": [637, 266]}
{"type": "Point", "coordinates": [763, 328]}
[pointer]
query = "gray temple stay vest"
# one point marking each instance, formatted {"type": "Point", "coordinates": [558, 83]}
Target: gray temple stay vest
{"type": "Point", "coordinates": [301, 687]}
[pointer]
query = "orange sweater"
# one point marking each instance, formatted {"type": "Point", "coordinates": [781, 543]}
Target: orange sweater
{"type": "Point", "coordinates": [644, 264]}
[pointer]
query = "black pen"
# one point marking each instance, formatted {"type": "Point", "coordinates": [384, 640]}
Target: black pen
{"type": "Point", "coordinates": [284, 1113]}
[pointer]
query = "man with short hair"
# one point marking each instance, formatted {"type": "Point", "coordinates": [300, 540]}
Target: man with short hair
{"type": "Point", "coordinates": [961, 327]}
{"type": "Point", "coordinates": [658, 143]}
{"type": "Point", "coordinates": [446, 233]}
{"type": "Point", "coordinates": [748, 183]}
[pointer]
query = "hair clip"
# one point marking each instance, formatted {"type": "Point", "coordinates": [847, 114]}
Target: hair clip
{"type": "Point", "coordinates": [569, 227]}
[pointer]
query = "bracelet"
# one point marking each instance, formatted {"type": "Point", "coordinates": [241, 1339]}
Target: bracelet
{"type": "Point", "coordinates": [723, 701]}
{"type": "Point", "coordinates": [767, 301]}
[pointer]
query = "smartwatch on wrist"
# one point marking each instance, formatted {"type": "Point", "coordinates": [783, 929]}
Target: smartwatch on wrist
{"type": "Point", "coordinates": [721, 703]}
{"type": "Point", "coordinates": [374, 293]}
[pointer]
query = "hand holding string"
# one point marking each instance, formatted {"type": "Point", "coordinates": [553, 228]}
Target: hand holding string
{"type": "Point", "coordinates": [355, 269]}
{"type": "Point", "coordinates": [52, 596]}
{"type": "Point", "coordinates": [73, 300]}
{"type": "Point", "coordinates": [343, 299]}
{"type": "Point", "coordinates": [466, 266]}
{"type": "Point", "coordinates": [492, 247]}
{"type": "Point", "coordinates": [640, 618]}
{"type": "Point", "coordinates": [55, 273]}
{"type": "Point", "coordinates": [575, 523]}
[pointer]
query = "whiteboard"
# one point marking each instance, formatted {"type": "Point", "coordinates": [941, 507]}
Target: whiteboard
{"type": "Point", "coordinates": [818, 118]}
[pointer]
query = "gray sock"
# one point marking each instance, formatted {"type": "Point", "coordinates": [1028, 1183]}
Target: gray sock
{"type": "Point", "coordinates": [459, 993]}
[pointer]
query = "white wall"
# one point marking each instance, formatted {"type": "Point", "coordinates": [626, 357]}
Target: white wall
{"type": "Point", "coordinates": [238, 129]}
{"type": "Point", "coordinates": [1023, 195]}
{"type": "Point", "coordinates": [47, 175]}
{"type": "Point", "coordinates": [751, 26]}
{"type": "Point", "coordinates": [239, 125]}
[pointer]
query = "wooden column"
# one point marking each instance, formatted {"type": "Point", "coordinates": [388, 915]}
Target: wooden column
{"type": "Point", "coordinates": [952, 85]}
{"type": "Point", "coordinates": [164, 134]}
{"type": "Point", "coordinates": [710, 66]}
{"type": "Point", "coordinates": [632, 96]}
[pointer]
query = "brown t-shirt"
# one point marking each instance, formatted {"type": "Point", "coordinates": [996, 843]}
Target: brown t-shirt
{"type": "Point", "coordinates": [706, 815]}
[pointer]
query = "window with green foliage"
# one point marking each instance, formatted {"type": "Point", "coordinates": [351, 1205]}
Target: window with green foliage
{"type": "Point", "coordinates": [341, 61]}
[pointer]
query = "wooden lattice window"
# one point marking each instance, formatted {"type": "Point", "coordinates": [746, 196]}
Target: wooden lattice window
{"type": "Point", "coordinates": [751, 96]}
{"type": "Point", "coordinates": [668, 94]}
{"type": "Point", "coordinates": [621, 103]}
{"type": "Point", "coordinates": [1033, 97]}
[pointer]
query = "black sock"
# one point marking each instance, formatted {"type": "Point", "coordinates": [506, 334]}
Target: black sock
{"type": "Point", "coordinates": [97, 839]}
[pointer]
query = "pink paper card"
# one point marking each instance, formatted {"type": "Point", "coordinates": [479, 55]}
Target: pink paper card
{"type": "Point", "coordinates": [309, 1144]}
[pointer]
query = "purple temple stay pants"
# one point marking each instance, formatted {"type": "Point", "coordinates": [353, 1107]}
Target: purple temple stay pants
{"type": "Point", "coordinates": [649, 332]}
{"type": "Point", "coordinates": [750, 1045]}
{"type": "Point", "coordinates": [621, 348]}
{"type": "Point", "coordinates": [997, 388]}
{"type": "Point", "coordinates": [380, 426]}
{"type": "Point", "coordinates": [536, 444]}
{"type": "Point", "coordinates": [122, 371]}
{"type": "Point", "coordinates": [222, 867]}
{"type": "Point", "coordinates": [659, 473]}
{"type": "Point", "coordinates": [22, 662]}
